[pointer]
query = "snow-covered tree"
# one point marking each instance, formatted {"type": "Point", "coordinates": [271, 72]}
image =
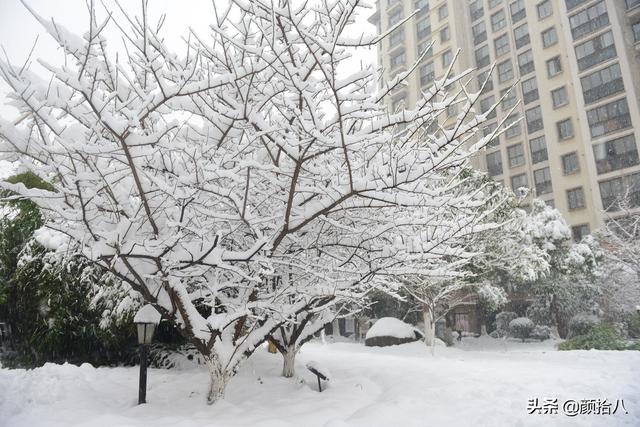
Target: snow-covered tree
{"type": "Point", "coordinates": [569, 286]}
{"type": "Point", "coordinates": [619, 272]}
{"type": "Point", "coordinates": [194, 177]}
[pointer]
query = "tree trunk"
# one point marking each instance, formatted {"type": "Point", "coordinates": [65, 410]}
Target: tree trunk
{"type": "Point", "coordinates": [483, 329]}
{"type": "Point", "coordinates": [289, 366]}
{"type": "Point", "coordinates": [218, 380]}
{"type": "Point", "coordinates": [429, 326]}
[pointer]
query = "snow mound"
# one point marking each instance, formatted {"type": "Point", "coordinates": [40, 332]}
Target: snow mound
{"type": "Point", "coordinates": [392, 327]}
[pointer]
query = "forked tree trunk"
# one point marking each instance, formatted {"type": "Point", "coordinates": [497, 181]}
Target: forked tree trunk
{"type": "Point", "coordinates": [289, 356]}
{"type": "Point", "coordinates": [218, 380]}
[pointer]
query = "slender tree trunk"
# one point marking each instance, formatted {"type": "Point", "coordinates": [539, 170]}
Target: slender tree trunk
{"type": "Point", "coordinates": [429, 326]}
{"type": "Point", "coordinates": [218, 380]}
{"type": "Point", "coordinates": [289, 365]}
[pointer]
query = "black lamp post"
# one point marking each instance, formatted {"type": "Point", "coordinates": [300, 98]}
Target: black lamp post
{"type": "Point", "coordinates": [146, 321]}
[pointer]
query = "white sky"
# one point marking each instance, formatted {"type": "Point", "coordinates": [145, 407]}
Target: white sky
{"type": "Point", "coordinates": [18, 30]}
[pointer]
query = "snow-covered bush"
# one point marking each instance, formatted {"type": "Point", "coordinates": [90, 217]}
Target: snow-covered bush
{"type": "Point", "coordinates": [581, 324]}
{"type": "Point", "coordinates": [540, 332]}
{"type": "Point", "coordinates": [168, 356]}
{"type": "Point", "coordinates": [502, 323]}
{"type": "Point", "coordinates": [633, 325]}
{"type": "Point", "coordinates": [539, 311]}
{"type": "Point", "coordinates": [598, 337]}
{"type": "Point", "coordinates": [521, 327]}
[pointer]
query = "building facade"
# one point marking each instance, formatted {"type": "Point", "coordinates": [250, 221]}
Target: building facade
{"type": "Point", "coordinates": [567, 71]}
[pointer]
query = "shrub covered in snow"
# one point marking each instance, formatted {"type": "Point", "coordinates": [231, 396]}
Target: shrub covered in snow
{"type": "Point", "coordinates": [581, 324]}
{"type": "Point", "coordinates": [391, 331]}
{"type": "Point", "coordinates": [598, 337]}
{"type": "Point", "coordinates": [540, 332]}
{"type": "Point", "coordinates": [521, 327]}
{"type": "Point", "coordinates": [633, 325]}
{"type": "Point", "coordinates": [168, 356]}
{"type": "Point", "coordinates": [502, 323]}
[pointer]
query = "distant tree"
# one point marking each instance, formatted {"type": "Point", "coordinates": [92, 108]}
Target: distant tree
{"type": "Point", "coordinates": [569, 287]}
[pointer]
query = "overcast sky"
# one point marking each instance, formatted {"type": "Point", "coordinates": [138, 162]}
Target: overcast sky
{"type": "Point", "coordinates": [19, 30]}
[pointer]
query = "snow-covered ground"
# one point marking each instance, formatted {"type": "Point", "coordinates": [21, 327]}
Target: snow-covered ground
{"type": "Point", "coordinates": [482, 382]}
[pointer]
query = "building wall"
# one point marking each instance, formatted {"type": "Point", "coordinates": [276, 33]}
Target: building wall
{"type": "Point", "coordinates": [580, 181]}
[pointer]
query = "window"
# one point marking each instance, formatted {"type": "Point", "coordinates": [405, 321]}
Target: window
{"type": "Point", "coordinates": [615, 189]}
{"type": "Point", "coordinates": [602, 83]}
{"type": "Point", "coordinates": [595, 51]}
{"type": "Point", "coordinates": [396, 38]}
{"type": "Point", "coordinates": [398, 103]}
{"type": "Point", "coordinates": [554, 66]}
{"type": "Point", "coordinates": [501, 45]}
{"type": "Point", "coordinates": [559, 97]}
{"type": "Point", "coordinates": [530, 90]}
{"type": "Point", "coordinates": [565, 129]}
{"type": "Point", "coordinates": [517, 11]}
{"type": "Point", "coordinates": [444, 34]}
{"type": "Point", "coordinates": [476, 10]}
{"type": "Point", "coordinates": [516, 155]}
{"type": "Point", "coordinates": [452, 110]}
{"type": "Point", "coordinates": [397, 59]}
{"type": "Point", "coordinates": [509, 99]}
{"type": "Point", "coordinates": [494, 163]}
{"type": "Point", "coordinates": [534, 119]}
{"type": "Point", "coordinates": [482, 56]}
{"type": "Point", "coordinates": [498, 20]}
{"type": "Point", "coordinates": [479, 33]}
{"type": "Point", "coordinates": [544, 9]}
{"type": "Point", "coordinates": [570, 164]}
{"type": "Point", "coordinates": [488, 130]}
{"type": "Point", "coordinates": [423, 28]}
{"type": "Point", "coordinates": [589, 20]}
{"type": "Point", "coordinates": [512, 127]}
{"type": "Point", "coordinates": [538, 148]}
{"type": "Point", "coordinates": [635, 29]}
{"type": "Point", "coordinates": [486, 104]}
{"type": "Point", "coordinates": [443, 12]}
{"type": "Point", "coordinates": [427, 74]}
{"type": "Point", "coordinates": [505, 71]}
{"type": "Point", "coordinates": [575, 198]}
{"type": "Point", "coordinates": [494, 3]}
{"type": "Point", "coordinates": [422, 5]}
{"type": "Point", "coordinates": [525, 63]}
{"type": "Point", "coordinates": [549, 37]}
{"type": "Point", "coordinates": [447, 57]}
{"type": "Point", "coordinates": [395, 17]}
{"type": "Point", "coordinates": [542, 180]}
{"type": "Point", "coordinates": [425, 48]}
{"type": "Point", "coordinates": [482, 77]}
{"type": "Point", "coordinates": [631, 3]}
{"type": "Point", "coordinates": [616, 154]}
{"type": "Point", "coordinates": [521, 35]}
{"type": "Point", "coordinates": [519, 181]}
{"type": "Point", "coordinates": [571, 4]}
{"type": "Point", "coordinates": [579, 231]}
{"type": "Point", "coordinates": [609, 118]}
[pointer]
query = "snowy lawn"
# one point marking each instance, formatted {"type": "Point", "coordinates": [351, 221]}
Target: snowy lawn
{"type": "Point", "coordinates": [481, 382]}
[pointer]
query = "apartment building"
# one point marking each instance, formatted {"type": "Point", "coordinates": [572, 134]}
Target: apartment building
{"type": "Point", "coordinates": [571, 69]}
